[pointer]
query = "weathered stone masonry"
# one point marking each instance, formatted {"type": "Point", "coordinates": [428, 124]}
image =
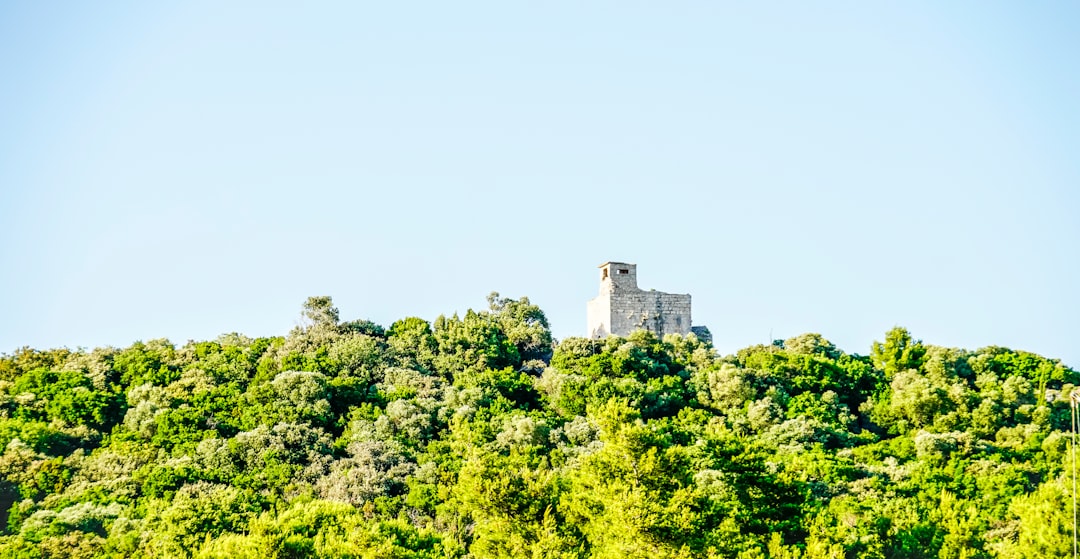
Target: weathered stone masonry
{"type": "Point", "coordinates": [622, 308]}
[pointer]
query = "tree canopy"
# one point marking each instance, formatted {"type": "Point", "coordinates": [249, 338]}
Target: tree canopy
{"type": "Point", "coordinates": [482, 436]}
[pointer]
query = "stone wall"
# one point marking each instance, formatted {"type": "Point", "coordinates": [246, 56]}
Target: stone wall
{"type": "Point", "coordinates": [598, 312]}
{"type": "Point", "coordinates": [658, 312]}
{"type": "Point", "coordinates": [621, 307]}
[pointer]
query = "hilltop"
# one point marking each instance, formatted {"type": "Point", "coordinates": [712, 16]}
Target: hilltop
{"type": "Point", "coordinates": [482, 436]}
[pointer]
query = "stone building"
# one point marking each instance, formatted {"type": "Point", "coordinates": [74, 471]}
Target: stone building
{"type": "Point", "coordinates": [622, 308]}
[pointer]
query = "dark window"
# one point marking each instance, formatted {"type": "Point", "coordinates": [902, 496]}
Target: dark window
{"type": "Point", "coordinates": [623, 271]}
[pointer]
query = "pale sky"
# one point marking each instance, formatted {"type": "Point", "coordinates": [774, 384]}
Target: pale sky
{"type": "Point", "coordinates": [183, 170]}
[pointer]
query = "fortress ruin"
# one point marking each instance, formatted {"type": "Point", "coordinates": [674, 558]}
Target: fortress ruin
{"type": "Point", "coordinates": [621, 307]}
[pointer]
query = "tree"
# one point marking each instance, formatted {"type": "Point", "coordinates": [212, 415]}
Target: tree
{"type": "Point", "coordinates": [413, 343]}
{"type": "Point", "coordinates": [525, 326]}
{"type": "Point", "coordinates": [320, 312]}
{"type": "Point", "coordinates": [899, 352]}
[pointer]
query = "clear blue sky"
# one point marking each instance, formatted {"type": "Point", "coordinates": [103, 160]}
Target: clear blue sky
{"type": "Point", "coordinates": [183, 170]}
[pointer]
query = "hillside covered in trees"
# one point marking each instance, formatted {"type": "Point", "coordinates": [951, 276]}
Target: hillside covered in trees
{"type": "Point", "coordinates": [479, 436]}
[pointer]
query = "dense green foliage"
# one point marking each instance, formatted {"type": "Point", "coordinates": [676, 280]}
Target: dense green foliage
{"type": "Point", "coordinates": [479, 436]}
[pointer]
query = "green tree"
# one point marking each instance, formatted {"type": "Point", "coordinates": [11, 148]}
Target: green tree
{"type": "Point", "coordinates": [525, 326]}
{"type": "Point", "coordinates": [897, 353]}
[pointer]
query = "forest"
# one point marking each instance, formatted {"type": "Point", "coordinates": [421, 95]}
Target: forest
{"type": "Point", "coordinates": [481, 436]}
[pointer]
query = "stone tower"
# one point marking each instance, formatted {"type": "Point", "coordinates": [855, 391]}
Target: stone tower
{"type": "Point", "coordinates": [622, 308]}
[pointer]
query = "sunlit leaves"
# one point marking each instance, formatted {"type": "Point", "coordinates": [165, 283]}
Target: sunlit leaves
{"type": "Point", "coordinates": [477, 435]}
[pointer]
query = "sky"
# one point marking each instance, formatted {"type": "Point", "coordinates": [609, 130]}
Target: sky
{"type": "Point", "coordinates": [184, 170]}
